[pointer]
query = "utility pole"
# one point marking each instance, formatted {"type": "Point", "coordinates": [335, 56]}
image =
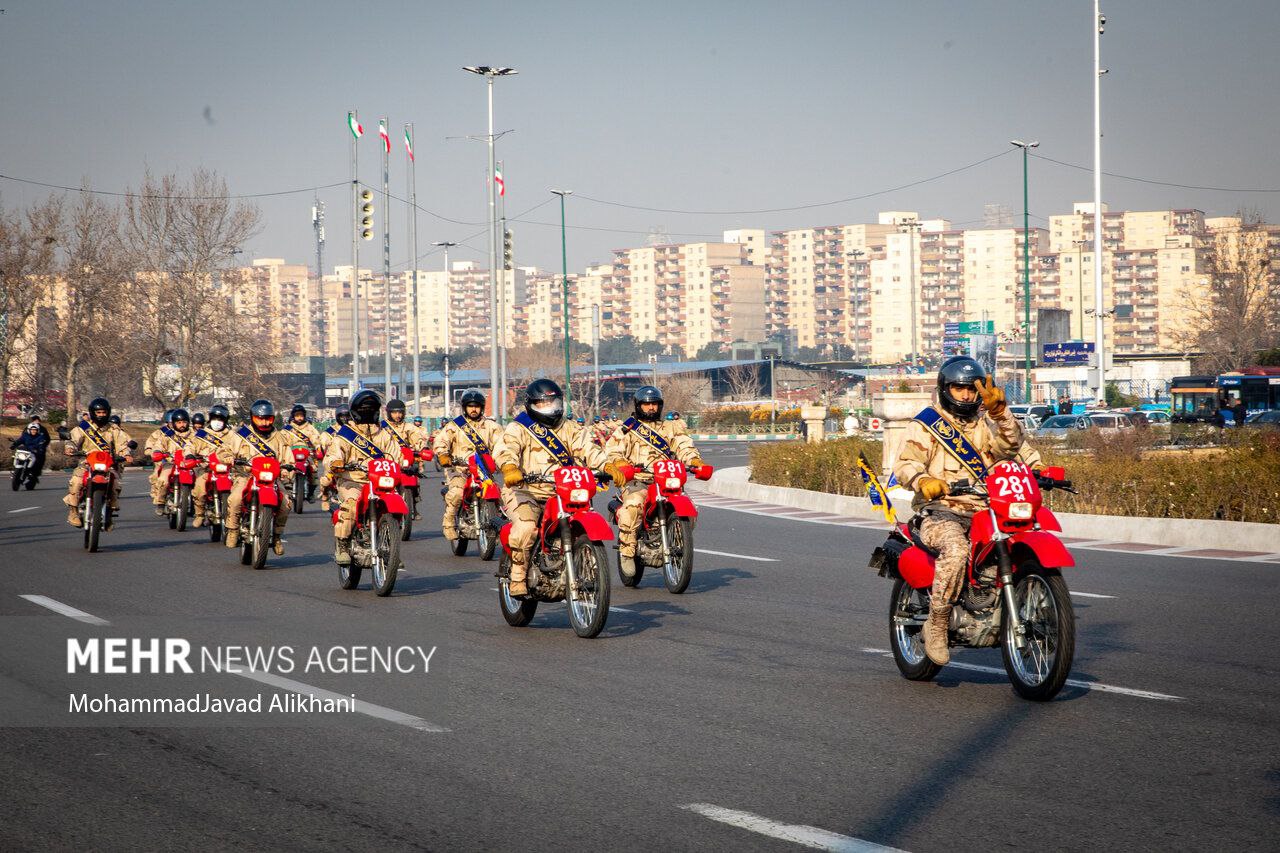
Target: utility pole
{"type": "Point", "coordinates": [507, 269]}
{"type": "Point", "coordinates": [1026, 266]}
{"type": "Point", "coordinates": [448, 322]}
{"type": "Point", "coordinates": [385, 127]}
{"type": "Point", "coordinates": [564, 290]}
{"type": "Point", "coordinates": [773, 400]}
{"type": "Point", "coordinates": [1100, 384]}
{"type": "Point", "coordinates": [353, 120]}
{"type": "Point", "coordinates": [413, 241]}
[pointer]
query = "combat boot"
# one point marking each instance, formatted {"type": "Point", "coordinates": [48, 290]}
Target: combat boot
{"type": "Point", "coordinates": [935, 636]}
{"type": "Point", "coordinates": [233, 537]}
{"type": "Point", "coordinates": [73, 517]}
{"type": "Point", "coordinates": [342, 552]}
{"type": "Point", "coordinates": [277, 544]}
{"type": "Point", "coordinates": [516, 585]}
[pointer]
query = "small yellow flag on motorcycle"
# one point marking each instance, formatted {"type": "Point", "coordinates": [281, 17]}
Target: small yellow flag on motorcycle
{"type": "Point", "coordinates": [877, 493]}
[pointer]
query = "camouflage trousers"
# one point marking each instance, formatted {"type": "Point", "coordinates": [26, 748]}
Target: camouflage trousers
{"type": "Point", "coordinates": [948, 534]}
{"type": "Point", "coordinates": [452, 500]}
{"type": "Point", "coordinates": [629, 516]}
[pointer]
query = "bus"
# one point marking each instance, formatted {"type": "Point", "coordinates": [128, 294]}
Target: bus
{"type": "Point", "coordinates": [1195, 399]}
{"type": "Point", "coordinates": [1258, 387]}
{"type": "Point", "coordinates": [1198, 399]}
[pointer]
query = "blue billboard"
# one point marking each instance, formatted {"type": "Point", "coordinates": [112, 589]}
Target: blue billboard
{"type": "Point", "coordinates": [1068, 352]}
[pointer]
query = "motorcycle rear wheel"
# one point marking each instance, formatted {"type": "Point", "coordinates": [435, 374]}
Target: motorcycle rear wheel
{"type": "Point", "coordinates": [299, 495]}
{"type": "Point", "coordinates": [589, 602]}
{"type": "Point", "coordinates": [518, 612]}
{"type": "Point", "coordinates": [488, 541]}
{"type": "Point", "coordinates": [637, 570]}
{"type": "Point", "coordinates": [406, 524]}
{"type": "Point", "coordinates": [349, 575]}
{"type": "Point", "coordinates": [1040, 668]}
{"type": "Point", "coordinates": [907, 640]}
{"type": "Point", "coordinates": [387, 565]}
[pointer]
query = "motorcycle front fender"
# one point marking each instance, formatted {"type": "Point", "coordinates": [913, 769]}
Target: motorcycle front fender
{"type": "Point", "coordinates": [267, 496]}
{"type": "Point", "coordinates": [187, 478]}
{"type": "Point", "coordinates": [223, 484]}
{"type": "Point", "coordinates": [393, 503]}
{"type": "Point", "coordinates": [490, 492]}
{"type": "Point", "coordinates": [592, 525]}
{"type": "Point", "coordinates": [1046, 548]}
{"type": "Point", "coordinates": [408, 481]}
{"type": "Point", "coordinates": [683, 506]}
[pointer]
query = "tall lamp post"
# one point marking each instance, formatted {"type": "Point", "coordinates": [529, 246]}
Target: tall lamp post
{"type": "Point", "coordinates": [564, 291]}
{"type": "Point", "coordinates": [448, 321]}
{"type": "Point", "coordinates": [1026, 263]}
{"type": "Point", "coordinates": [1099, 346]}
{"type": "Point", "coordinates": [490, 72]}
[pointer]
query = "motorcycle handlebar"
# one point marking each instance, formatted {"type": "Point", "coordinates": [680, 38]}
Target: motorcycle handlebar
{"type": "Point", "coordinates": [601, 477]}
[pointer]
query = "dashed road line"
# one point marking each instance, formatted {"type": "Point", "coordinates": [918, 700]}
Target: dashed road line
{"type": "Point", "coordinates": [806, 836]}
{"type": "Point", "coordinates": [735, 556]}
{"type": "Point", "coordinates": [65, 609]}
{"type": "Point", "coordinates": [24, 509]}
{"type": "Point", "coordinates": [1089, 594]}
{"type": "Point", "coordinates": [1074, 682]}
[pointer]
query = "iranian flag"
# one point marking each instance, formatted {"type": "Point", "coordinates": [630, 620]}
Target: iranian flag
{"type": "Point", "coordinates": [408, 143]}
{"type": "Point", "coordinates": [386, 140]}
{"type": "Point", "coordinates": [497, 179]}
{"type": "Point", "coordinates": [352, 122]}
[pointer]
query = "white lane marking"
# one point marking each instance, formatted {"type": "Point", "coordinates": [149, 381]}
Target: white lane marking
{"type": "Point", "coordinates": [389, 714]}
{"type": "Point", "coordinates": [65, 609]}
{"type": "Point", "coordinates": [24, 509]}
{"type": "Point", "coordinates": [735, 556]}
{"type": "Point", "coordinates": [1087, 685]}
{"type": "Point", "coordinates": [1089, 595]}
{"type": "Point", "coordinates": [806, 836]}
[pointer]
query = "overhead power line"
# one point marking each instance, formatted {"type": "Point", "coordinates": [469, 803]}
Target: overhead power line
{"type": "Point", "coordinates": [89, 191]}
{"type": "Point", "coordinates": [1154, 182]}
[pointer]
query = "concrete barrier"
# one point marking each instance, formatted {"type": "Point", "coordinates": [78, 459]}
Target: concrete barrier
{"type": "Point", "coordinates": [1165, 532]}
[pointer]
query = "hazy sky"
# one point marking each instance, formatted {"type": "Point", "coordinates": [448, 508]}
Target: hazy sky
{"type": "Point", "coordinates": [688, 105]}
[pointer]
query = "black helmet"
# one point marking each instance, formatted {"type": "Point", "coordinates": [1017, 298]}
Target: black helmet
{"type": "Point", "coordinates": [197, 419]}
{"type": "Point", "coordinates": [342, 413]}
{"type": "Point", "coordinates": [297, 407]}
{"type": "Point", "coordinates": [959, 370]}
{"type": "Point", "coordinates": [115, 419]}
{"type": "Point", "coordinates": [100, 411]}
{"type": "Point", "coordinates": [219, 411]}
{"type": "Point", "coordinates": [396, 405]}
{"type": "Point", "coordinates": [647, 394]}
{"type": "Point", "coordinates": [262, 409]}
{"type": "Point", "coordinates": [544, 402]}
{"type": "Point", "coordinates": [168, 416]}
{"type": "Point", "coordinates": [472, 397]}
{"type": "Point", "coordinates": [365, 406]}
{"type": "Point", "coordinates": [180, 415]}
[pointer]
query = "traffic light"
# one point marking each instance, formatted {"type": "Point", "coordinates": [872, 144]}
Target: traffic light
{"type": "Point", "coordinates": [507, 252]}
{"type": "Point", "coordinates": [366, 215]}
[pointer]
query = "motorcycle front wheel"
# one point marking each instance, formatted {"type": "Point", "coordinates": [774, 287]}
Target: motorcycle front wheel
{"type": "Point", "coordinates": [488, 541]}
{"type": "Point", "coordinates": [184, 501]}
{"type": "Point", "coordinates": [214, 515]}
{"type": "Point", "coordinates": [906, 635]}
{"type": "Point", "coordinates": [518, 612]}
{"type": "Point", "coordinates": [1040, 668]}
{"type": "Point", "coordinates": [262, 537]}
{"type": "Point", "coordinates": [299, 491]}
{"type": "Point", "coordinates": [406, 524]}
{"type": "Point", "coordinates": [93, 521]}
{"type": "Point", "coordinates": [17, 480]}
{"type": "Point", "coordinates": [679, 569]}
{"type": "Point", "coordinates": [387, 566]}
{"type": "Point", "coordinates": [589, 594]}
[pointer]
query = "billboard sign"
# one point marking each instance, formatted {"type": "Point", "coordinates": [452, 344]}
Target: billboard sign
{"type": "Point", "coordinates": [1067, 352]}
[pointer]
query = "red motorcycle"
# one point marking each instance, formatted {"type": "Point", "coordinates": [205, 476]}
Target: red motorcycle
{"type": "Point", "coordinates": [262, 494]}
{"type": "Point", "coordinates": [665, 538]}
{"type": "Point", "coordinates": [375, 543]}
{"type": "Point", "coordinates": [480, 507]}
{"type": "Point", "coordinates": [302, 465]}
{"type": "Point", "coordinates": [99, 481]}
{"type": "Point", "coordinates": [178, 505]}
{"type": "Point", "coordinates": [217, 490]}
{"type": "Point", "coordinates": [568, 560]}
{"type": "Point", "coordinates": [1013, 594]}
{"type": "Point", "coordinates": [408, 488]}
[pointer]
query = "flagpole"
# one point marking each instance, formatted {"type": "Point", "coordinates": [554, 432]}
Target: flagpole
{"type": "Point", "coordinates": [355, 256]}
{"type": "Point", "coordinates": [413, 239]}
{"type": "Point", "coordinates": [502, 308]}
{"type": "Point", "coordinates": [385, 133]}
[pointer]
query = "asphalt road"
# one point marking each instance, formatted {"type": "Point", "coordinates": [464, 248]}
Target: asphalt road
{"type": "Point", "coordinates": [745, 709]}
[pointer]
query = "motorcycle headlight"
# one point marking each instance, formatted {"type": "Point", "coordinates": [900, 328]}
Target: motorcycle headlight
{"type": "Point", "coordinates": [266, 476]}
{"type": "Point", "coordinates": [579, 496]}
{"type": "Point", "coordinates": [673, 483]}
{"type": "Point", "coordinates": [220, 468]}
{"type": "Point", "coordinates": [99, 466]}
{"type": "Point", "coordinates": [386, 482]}
{"type": "Point", "coordinates": [1020, 511]}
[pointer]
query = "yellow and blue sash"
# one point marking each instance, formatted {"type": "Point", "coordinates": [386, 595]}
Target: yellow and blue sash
{"type": "Point", "coordinates": [167, 431]}
{"type": "Point", "coordinates": [359, 442]}
{"type": "Point", "coordinates": [953, 441]}
{"type": "Point", "coordinates": [481, 447]}
{"type": "Point", "coordinates": [209, 437]}
{"type": "Point", "coordinates": [650, 437]}
{"type": "Point", "coordinates": [256, 442]}
{"type": "Point", "coordinates": [91, 432]}
{"type": "Point", "coordinates": [548, 439]}
{"type": "Point", "coordinates": [389, 427]}
{"type": "Point", "coordinates": [299, 433]}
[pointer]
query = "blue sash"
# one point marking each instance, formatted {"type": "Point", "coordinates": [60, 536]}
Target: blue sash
{"type": "Point", "coordinates": [91, 432]}
{"type": "Point", "coordinates": [167, 431]}
{"type": "Point", "coordinates": [953, 442]}
{"type": "Point", "coordinates": [359, 442]}
{"type": "Point", "coordinates": [299, 433]}
{"type": "Point", "coordinates": [256, 442]}
{"type": "Point", "coordinates": [404, 442]}
{"type": "Point", "coordinates": [209, 437]}
{"type": "Point", "coordinates": [548, 439]}
{"type": "Point", "coordinates": [481, 447]}
{"type": "Point", "coordinates": [650, 436]}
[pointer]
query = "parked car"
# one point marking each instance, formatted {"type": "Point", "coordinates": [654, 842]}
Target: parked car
{"type": "Point", "coordinates": [1029, 422]}
{"type": "Point", "coordinates": [1040, 410]}
{"type": "Point", "coordinates": [1060, 426]}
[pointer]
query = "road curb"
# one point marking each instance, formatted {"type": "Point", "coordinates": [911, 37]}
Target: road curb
{"type": "Point", "coordinates": [748, 437]}
{"type": "Point", "coordinates": [1203, 534]}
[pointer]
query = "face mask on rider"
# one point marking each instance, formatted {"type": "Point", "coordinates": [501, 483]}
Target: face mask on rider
{"type": "Point", "coordinates": [217, 424]}
{"type": "Point", "coordinates": [550, 408]}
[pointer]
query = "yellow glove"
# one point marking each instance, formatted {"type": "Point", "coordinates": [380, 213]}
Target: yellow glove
{"type": "Point", "coordinates": [512, 475]}
{"type": "Point", "coordinates": [992, 397]}
{"type": "Point", "coordinates": [696, 462]}
{"type": "Point", "coordinates": [614, 469]}
{"type": "Point", "coordinates": [444, 459]}
{"type": "Point", "coordinates": [931, 488]}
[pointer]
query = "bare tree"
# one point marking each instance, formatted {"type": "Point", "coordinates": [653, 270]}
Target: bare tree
{"type": "Point", "coordinates": [1235, 313]}
{"type": "Point", "coordinates": [183, 238]}
{"type": "Point", "coordinates": [28, 255]}
{"type": "Point", "coordinates": [743, 381]}
{"type": "Point", "coordinates": [685, 394]}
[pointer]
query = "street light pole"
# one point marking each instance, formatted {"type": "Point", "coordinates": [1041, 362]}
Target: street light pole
{"type": "Point", "coordinates": [448, 314]}
{"type": "Point", "coordinates": [1099, 347]}
{"type": "Point", "coordinates": [1026, 265]}
{"type": "Point", "coordinates": [489, 72]}
{"type": "Point", "coordinates": [564, 290]}
{"type": "Point", "coordinates": [413, 240]}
